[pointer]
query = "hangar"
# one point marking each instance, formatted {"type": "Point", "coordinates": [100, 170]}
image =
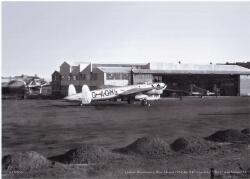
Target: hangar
{"type": "Point", "coordinates": [226, 80]}
{"type": "Point", "coordinates": [229, 80]}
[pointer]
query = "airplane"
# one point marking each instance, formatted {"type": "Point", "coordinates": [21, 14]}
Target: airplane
{"type": "Point", "coordinates": [36, 84]}
{"type": "Point", "coordinates": [201, 92]}
{"type": "Point", "coordinates": [140, 92]}
{"type": "Point", "coordinates": [23, 85]}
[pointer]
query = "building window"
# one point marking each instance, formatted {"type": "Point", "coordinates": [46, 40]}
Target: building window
{"type": "Point", "coordinates": [118, 76]}
{"type": "Point", "coordinates": [157, 79]}
{"type": "Point", "coordinates": [82, 77]}
{"type": "Point", "coordinates": [143, 76]}
{"type": "Point", "coordinates": [74, 77]}
{"type": "Point", "coordinates": [125, 76]}
{"type": "Point", "coordinates": [109, 76]}
{"type": "Point", "coordinates": [88, 76]}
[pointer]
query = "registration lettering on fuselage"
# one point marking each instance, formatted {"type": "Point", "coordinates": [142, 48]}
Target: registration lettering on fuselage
{"type": "Point", "coordinates": [104, 93]}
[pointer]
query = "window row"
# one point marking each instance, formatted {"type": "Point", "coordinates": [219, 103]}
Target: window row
{"type": "Point", "coordinates": [93, 76]}
{"type": "Point", "coordinates": [117, 76]}
{"type": "Point", "coordinates": [80, 77]}
{"type": "Point", "coordinates": [143, 76]}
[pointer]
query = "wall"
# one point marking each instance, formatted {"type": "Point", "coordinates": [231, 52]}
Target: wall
{"type": "Point", "coordinates": [56, 83]}
{"type": "Point", "coordinates": [244, 85]}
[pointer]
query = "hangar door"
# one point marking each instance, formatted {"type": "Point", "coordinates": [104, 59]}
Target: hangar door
{"type": "Point", "coordinates": [244, 85]}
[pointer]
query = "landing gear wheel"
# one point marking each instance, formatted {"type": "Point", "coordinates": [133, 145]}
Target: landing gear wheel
{"type": "Point", "coordinates": [131, 101]}
{"type": "Point", "coordinates": [145, 103]}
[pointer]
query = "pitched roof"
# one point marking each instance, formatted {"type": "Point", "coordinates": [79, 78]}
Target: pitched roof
{"type": "Point", "coordinates": [65, 63]}
{"type": "Point", "coordinates": [170, 68]}
{"type": "Point", "coordinates": [56, 72]}
{"type": "Point", "coordinates": [83, 66]}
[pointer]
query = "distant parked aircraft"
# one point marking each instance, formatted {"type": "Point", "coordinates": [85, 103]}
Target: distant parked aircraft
{"type": "Point", "coordinates": [25, 84]}
{"type": "Point", "coordinates": [141, 92]}
{"type": "Point", "coordinates": [197, 91]}
{"type": "Point", "coordinates": [194, 91]}
{"type": "Point", "coordinates": [36, 84]}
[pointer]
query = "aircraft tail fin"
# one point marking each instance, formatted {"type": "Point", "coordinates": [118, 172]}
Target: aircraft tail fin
{"type": "Point", "coordinates": [71, 90]}
{"type": "Point", "coordinates": [86, 95]}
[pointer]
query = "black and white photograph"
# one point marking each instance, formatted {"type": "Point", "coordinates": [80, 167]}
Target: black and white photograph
{"type": "Point", "coordinates": [125, 89]}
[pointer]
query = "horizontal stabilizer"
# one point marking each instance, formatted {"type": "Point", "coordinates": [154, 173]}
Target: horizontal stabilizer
{"type": "Point", "coordinates": [86, 95]}
{"type": "Point", "coordinates": [71, 90]}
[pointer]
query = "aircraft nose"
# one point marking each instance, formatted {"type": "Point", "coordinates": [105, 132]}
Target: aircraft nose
{"type": "Point", "coordinates": [161, 85]}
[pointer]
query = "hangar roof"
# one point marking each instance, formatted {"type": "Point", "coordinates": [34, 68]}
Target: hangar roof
{"type": "Point", "coordinates": [115, 69]}
{"type": "Point", "coordinates": [170, 68]}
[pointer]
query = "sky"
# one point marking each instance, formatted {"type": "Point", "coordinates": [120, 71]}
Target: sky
{"type": "Point", "coordinates": [37, 37]}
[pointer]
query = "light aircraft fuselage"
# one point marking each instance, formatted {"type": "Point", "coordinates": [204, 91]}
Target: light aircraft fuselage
{"type": "Point", "coordinates": [145, 92]}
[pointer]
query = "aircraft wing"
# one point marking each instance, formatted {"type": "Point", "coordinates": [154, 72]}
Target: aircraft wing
{"type": "Point", "coordinates": [134, 91]}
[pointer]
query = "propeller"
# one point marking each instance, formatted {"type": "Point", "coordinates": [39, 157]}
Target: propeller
{"type": "Point", "coordinates": [164, 87]}
{"type": "Point", "coordinates": [159, 86]}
